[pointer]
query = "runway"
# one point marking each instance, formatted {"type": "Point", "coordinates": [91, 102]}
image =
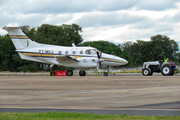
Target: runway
{"type": "Point", "coordinates": [131, 94]}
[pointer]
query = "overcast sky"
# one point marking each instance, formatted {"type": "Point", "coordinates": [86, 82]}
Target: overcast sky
{"type": "Point", "coordinates": [116, 21]}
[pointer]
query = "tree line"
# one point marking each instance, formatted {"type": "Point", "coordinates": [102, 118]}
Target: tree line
{"type": "Point", "coordinates": [134, 52]}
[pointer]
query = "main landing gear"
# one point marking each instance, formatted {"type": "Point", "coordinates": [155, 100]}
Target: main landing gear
{"type": "Point", "coordinates": [81, 73]}
{"type": "Point", "coordinates": [69, 73]}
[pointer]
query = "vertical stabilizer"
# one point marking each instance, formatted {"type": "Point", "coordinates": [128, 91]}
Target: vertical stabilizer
{"type": "Point", "coordinates": [19, 39]}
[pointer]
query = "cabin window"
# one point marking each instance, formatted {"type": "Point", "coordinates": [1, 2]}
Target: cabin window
{"type": "Point", "coordinates": [74, 52]}
{"type": "Point", "coordinates": [81, 52]}
{"type": "Point", "coordinates": [66, 52]}
{"type": "Point", "coordinates": [60, 52]}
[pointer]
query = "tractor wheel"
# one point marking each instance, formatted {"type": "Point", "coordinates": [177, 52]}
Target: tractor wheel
{"type": "Point", "coordinates": [151, 73]}
{"type": "Point", "coordinates": [172, 73]}
{"type": "Point", "coordinates": [145, 72]}
{"type": "Point", "coordinates": [166, 70]}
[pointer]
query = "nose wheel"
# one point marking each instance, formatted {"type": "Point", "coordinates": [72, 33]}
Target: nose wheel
{"type": "Point", "coordinates": [105, 74]}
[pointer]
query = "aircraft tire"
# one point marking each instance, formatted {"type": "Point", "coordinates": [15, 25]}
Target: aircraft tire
{"type": "Point", "coordinates": [105, 74]}
{"type": "Point", "coordinates": [69, 73]}
{"type": "Point", "coordinates": [166, 70]}
{"type": "Point", "coordinates": [82, 73]}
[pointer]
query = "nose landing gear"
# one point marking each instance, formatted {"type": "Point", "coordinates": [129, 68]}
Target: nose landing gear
{"type": "Point", "coordinates": [105, 74]}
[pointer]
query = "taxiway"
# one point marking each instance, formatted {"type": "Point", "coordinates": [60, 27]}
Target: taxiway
{"type": "Point", "coordinates": [123, 94]}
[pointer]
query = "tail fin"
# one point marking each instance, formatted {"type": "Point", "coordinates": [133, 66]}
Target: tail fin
{"type": "Point", "coordinates": [19, 39]}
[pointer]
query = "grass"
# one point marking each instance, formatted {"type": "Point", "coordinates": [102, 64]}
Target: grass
{"type": "Point", "coordinates": [78, 116]}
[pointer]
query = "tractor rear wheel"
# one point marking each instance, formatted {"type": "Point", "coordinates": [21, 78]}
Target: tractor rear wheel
{"type": "Point", "coordinates": [166, 70]}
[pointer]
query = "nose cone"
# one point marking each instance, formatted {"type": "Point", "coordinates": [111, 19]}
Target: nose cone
{"type": "Point", "coordinates": [123, 61]}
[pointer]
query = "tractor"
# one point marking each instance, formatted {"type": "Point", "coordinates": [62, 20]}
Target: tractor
{"type": "Point", "coordinates": [166, 68]}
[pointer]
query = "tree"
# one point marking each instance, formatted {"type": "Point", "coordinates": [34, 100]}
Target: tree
{"type": "Point", "coordinates": [9, 58]}
{"type": "Point", "coordinates": [63, 35]}
{"type": "Point", "coordinates": [163, 46]}
{"type": "Point", "coordinates": [156, 49]}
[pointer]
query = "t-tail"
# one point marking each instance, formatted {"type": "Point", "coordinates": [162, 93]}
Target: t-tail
{"type": "Point", "coordinates": [19, 39]}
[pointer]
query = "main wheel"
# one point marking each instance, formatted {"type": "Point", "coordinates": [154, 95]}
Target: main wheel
{"type": "Point", "coordinates": [82, 73]}
{"type": "Point", "coordinates": [69, 73]}
{"type": "Point", "coordinates": [145, 72]}
{"type": "Point", "coordinates": [105, 74]}
{"type": "Point", "coordinates": [166, 70]}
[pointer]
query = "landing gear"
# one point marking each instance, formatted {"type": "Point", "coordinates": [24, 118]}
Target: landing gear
{"type": "Point", "coordinates": [69, 73]}
{"type": "Point", "coordinates": [82, 73]}
{"type": "Point", "coordinates": [105, 74]}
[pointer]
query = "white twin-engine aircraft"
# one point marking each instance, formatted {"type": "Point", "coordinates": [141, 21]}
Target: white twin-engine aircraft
{"type": "Point", "coordinates": [72, 57]}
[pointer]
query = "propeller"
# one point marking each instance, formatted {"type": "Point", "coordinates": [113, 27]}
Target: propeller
{"type": "Point", "coordinates": [99, 60]}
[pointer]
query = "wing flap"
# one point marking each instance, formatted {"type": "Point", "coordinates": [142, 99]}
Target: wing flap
{"type": "Point", "coordinates": [66, 58]}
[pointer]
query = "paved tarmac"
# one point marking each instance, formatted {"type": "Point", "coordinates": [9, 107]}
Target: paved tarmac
{"type": "Point", "coordinates": [131, 94]}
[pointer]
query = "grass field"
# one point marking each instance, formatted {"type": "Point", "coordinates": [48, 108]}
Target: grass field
{"type": "Point", "coordinates": [78, 116]}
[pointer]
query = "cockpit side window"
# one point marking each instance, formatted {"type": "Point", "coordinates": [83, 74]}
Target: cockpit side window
{"type": "Point", "coordinates": [88, 51]}
{"type": "Point", "coordinates": [91, 51]}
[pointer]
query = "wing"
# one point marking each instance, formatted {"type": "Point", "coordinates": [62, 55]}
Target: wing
{"type": "Point", "coordinates": [66, 58]}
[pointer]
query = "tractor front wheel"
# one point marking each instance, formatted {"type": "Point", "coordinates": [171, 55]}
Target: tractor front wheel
{"type": "Point", "coordinates": [145, 72]}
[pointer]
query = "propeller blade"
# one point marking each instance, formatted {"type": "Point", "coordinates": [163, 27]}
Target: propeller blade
{"type": "Point", "coordinates": [99, 61]}
{"type": "Point", "coordinates": [98, 55]}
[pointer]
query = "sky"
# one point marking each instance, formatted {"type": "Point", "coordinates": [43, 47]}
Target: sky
{"type": "Point", "coordinates": [116, 21]}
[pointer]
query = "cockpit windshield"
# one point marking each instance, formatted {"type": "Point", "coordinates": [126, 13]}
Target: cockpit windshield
{"type": "Point", "coordinates": [91, 51]}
